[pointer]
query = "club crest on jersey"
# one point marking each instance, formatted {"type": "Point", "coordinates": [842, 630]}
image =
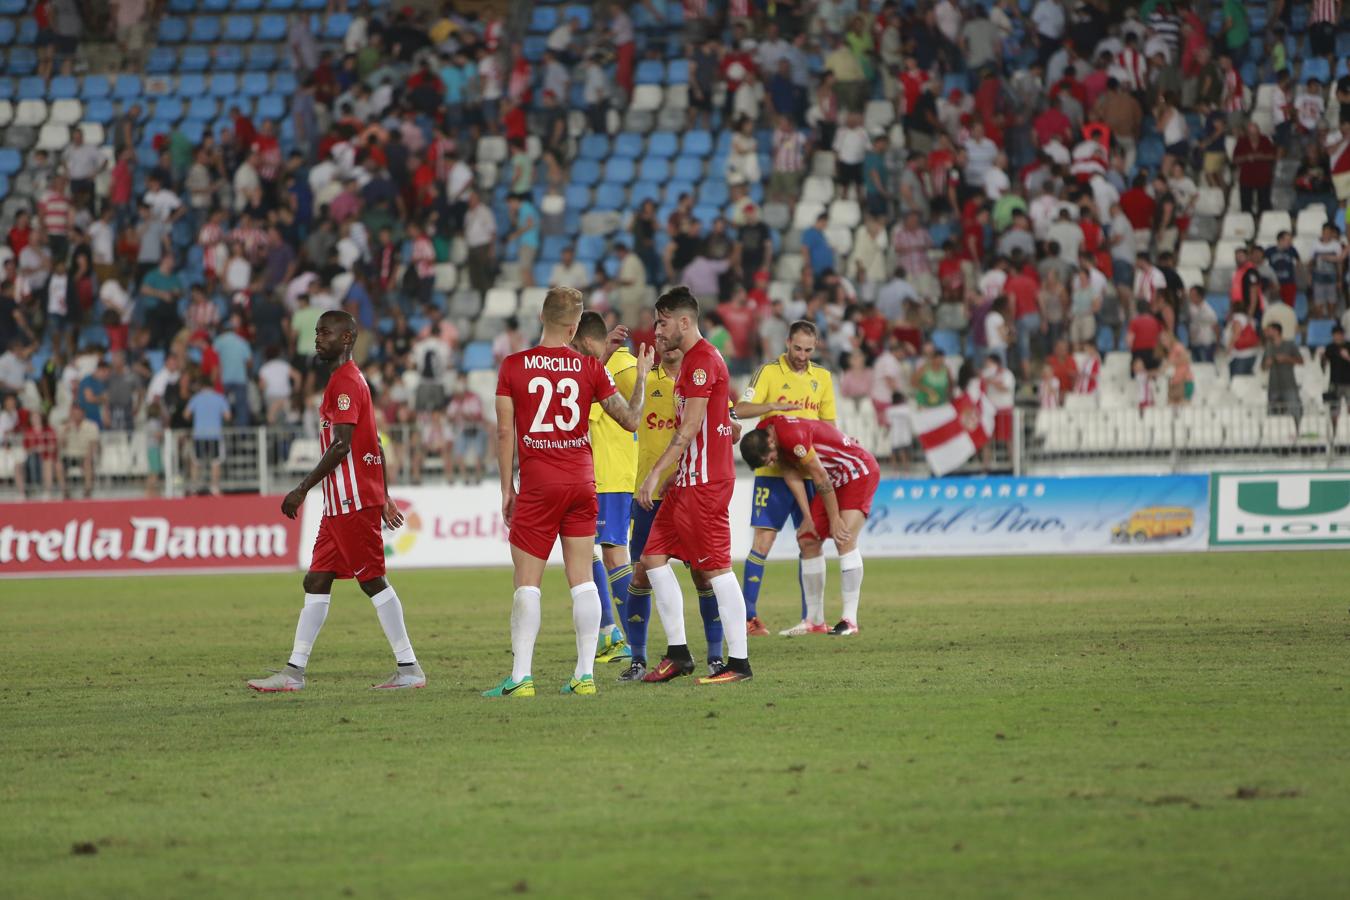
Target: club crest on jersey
{"type": "Point", "coordinates": [344, 402]}
{"type": "Point", "coordinates": [700, 377]}
{"type": "Point", "coordinates": [815, 385]}
{"type": "Point", "coordinates": [799, 451]}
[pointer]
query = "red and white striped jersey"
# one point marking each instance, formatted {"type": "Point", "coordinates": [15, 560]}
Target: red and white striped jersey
{"type": "Point", "coordinates": [1325, 11]}
{"type": "Point", "coordinates": [843, 457]}
{"type": "Point", "coordinates": [358, 481]}
{"type": "Point", "coordinates": [789, 150]}
{"type": "Point", "coordinates": [1089, 367]}
{"type": "Point", "coordinates": [1232, 91]}
{"type": "Point", "coordinates": [708, 458]}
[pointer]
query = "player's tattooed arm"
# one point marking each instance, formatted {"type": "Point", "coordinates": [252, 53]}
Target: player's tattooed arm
{"type": "Point", "coordinates": [506, 455]}
{"type": "Point", "coordinates": [331, 459]}
{"type": "Point", "coordinates": [797, 485]}
{"type": "Point", "coordinates": [744, 409]}
{"type": "Point", "coordinates": [629, 414]}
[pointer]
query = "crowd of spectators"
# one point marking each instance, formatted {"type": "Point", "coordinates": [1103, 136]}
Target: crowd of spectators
{"type": "Point", "coordinates": [1010, 208]}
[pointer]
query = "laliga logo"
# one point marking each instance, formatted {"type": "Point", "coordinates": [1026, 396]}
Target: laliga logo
{"type": "Point", "coordinates": [396, 542]}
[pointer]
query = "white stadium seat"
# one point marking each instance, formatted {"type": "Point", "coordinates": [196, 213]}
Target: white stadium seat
{"type": "Point", "coordinates": [845, 214]}
{"type": "Point", "coordinates": [1311, 219]}
{"type": "Point", "coordinates": [65, 112]}
{"type": "Point", "coordinates": [647, 98]}
{"type": "Point", "coordinates": [447, 276]}
{"type": "Point", "coordinates": [841, 239]}
{"type": "Point", "coordinates": [6, 113]}
{"type": "Point", "coordinates": [1209, 202]}
{"type": "Point", "coordinates": [499, 303]}
{"type": "Point", "coordinates": [1195, 254]}
{"type": "Point", "coordinates": [818, 190]}
{"type": "Point", "coordinates": [1273, 221]}
{"type": "Point", "coordinates": [492, 148]}
{"type": "Point", "coordinates": [1238, 226]}
{"type": "Point", "coordinates": [93, 133]}
{"type": "Point", "coordinates": [31, 113]}
{"type": "Point", "coordinates": [806, 215]}
{"type": "Point", "coordinates": [1191, 276]}
{"type": "Point", "coordinates": [53, 137]}
{"type": "Point", "coordinates": [531, 302]}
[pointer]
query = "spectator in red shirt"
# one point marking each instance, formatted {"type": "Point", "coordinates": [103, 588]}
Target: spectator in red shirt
{"type": "Point", "coordinates": [1053, 125]}
{"type": "Point", "coordinates": [1025, 291]}
{"type": "Point", "coordinates": [1254, 157]}
{"type": "Point", "coordinates": [513, 120]}
{"type": "Point", "coordinates": [20, 232]}
{"type": "Point", "coordinates": [873, 326]}
{"type": "Point", "coordinates": [740, 321]}
{"type": "Point", "coordinates": [1142, 337]}
{"type": "Point", "coordinates": [1062, 365]}
{"type": "Point", "coordinates": [1137, 204]}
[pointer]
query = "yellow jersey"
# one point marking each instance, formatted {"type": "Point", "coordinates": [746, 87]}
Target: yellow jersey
{"type": "Point", "coordinates": [615, 451]}
{"type": "Point", "coordinates": [658, 423]}
{"type": "Point", "coordinates": [777, 382]}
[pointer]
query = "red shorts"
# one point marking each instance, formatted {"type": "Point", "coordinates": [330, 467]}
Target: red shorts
{"type": "Point", "coordinates": [1289, 293]}
{"type": "Point", "coordinates": [351, 545]}
{"type": "Point", "coordinates": [545, 511]}
{"type": "Point", "coordinates": [694, 525]}
{"type": "Point", "coordinates": [856, 494]}
{"type": "Point", "coordinates": [1003, 423]}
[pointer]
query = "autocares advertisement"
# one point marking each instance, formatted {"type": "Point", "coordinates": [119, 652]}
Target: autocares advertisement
{"type": "Point", "coordinates": [997, 516]}
{"type": "Point", "coordinates": [1282, 509]}
{"type": "Point", "coordinates": [146, 536]}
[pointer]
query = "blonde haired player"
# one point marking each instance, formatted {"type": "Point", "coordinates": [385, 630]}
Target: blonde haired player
{"type": "Point", "coordinates": [791, 384]}
{"type": "Point", "coordinates": [544, 398]}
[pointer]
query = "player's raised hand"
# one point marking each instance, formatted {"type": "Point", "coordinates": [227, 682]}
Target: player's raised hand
{"type": "Point", "coordinates": [393, 516]}
{"type": "Point", "coordinates": [291, 503]}
{"type": "Point", "coordinates": [646, 358]}
{"type": "Point", "coordinates": [616, 339]}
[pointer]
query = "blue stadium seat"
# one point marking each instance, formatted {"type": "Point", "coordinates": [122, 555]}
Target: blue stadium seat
{"type": "Point", "coordinates": [99, 111]}
{"type": "Point", "coordinates": [594, 146]}
{"type": "Point", "coordinates": [643, 191]}
{"type": "Point", "coordinates": [312, 5]}
{"type": "Point", "coordinates": [32, 88]}
{"type": "Point", "coordinates": [706, 215]}
{"type": "Point", "coordinates": [254, 84]}
{"type": "Point", "coordinates": [1220, 303]}
{"type": "Point", "coordinates": [168, 109]}
{"type": "Point", "coordinates": [478, 357]}
{"type": "Point", "coordinates": [205, 30]}
{"type": "Point", "coordinates": [214, 6]}
{"type": "Point", "coordinates": [183, 7]}
{"type": "Point", "coordinates": [224, 85]}
{"type": "Point", "coordinates": [688, 168]}
{"type": "Point", "coordinates": [6, 84]}
{"type": "Point", "coordinates": [591, 248]}
{"type": "Point", "coordinates": [228, 58]}
{"type": "Point", "coordinates": [582, 13]}
{"type": "Point", "coordinates": [192, 85]}
{"type": "Point", "coordinates": [249, 6]}
{"type": "Point", "coordinates": [11, 161]}
{"type": "Point", "coordinates": [697, 143]}
{"type": "Point", "coordinates": [95, 87]}
{"type": "Point", "coordinates": [161, 61]}
{"type": "Point", "coordinates": [674, 189]}
{"type": "Point", "coordinates": [577, 197]}
{"type": "Point", "coordinates": [8, 31]}
{"type": "Point", "coordinates": [543, 19]}
{"type": "Point", "coordinates": [655, 169]}
{"type": "Point", "coordinates": [192, 129]}
{"type": "Point", "coordinates": [628, 145]}
{"type": "Point", "coordinates": [533, 47]}
{"type": "Point", "coordinates": [949, 342]}
{"type": "Point", "coordinates": [335, 29]}
{"type": "Point", "coordinates": [651, 71]}
{"type": "Point", "coordinates": [585, 172]}
{"type": "Point", "coordinates": [1319, 332]}
{"type": "Point", "coordinates": [4, 186]}
{"type": "Point", "coordinates": [261, 58]}
{"type": "Point", "coordinates": [172, 31]}
{"type": "Point", "coordinates": [543, 271]}
{"type": "Point", "coordinates": [284, 83]}
{"type": "Point", "coordinates": [127, 88]}
{"type": "Point", "coordinates": [13, 7]}
{"type": "Point", "coordinates": [1316, 67]}
{"type": "Point", "coordinates": [63, 87]}
{"type": "Point", "coordinates": [22, 61]}
{"type": "Point", "coordinates": [663, 144]}
{"type": "Point", "coordinates": [195, 59]}
{"type": "Point", "coordinates": [713, 193]}
{"type": "Point", "coordinates": [553, 246]}
{"type": "Point", "coordinates": [619, 170]}
{"type": "Point", "coordinates": [281, 5]}
{"type": "Point", "coordinates": [1106, 339]}
{"type": "Point", "coordinates": [609, 198]}
{"type": "Point", "coordinates": [271, 28]}
{"type": "Point", "coordinates": [238, 29]}
{"type": "Point", "coordinates": [271, 106]}
{"type": "Point", "coordinates": [202, 109]}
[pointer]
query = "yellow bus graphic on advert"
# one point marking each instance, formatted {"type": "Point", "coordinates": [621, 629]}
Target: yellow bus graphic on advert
{"type": "Point", "coordinates": [1154, 523]}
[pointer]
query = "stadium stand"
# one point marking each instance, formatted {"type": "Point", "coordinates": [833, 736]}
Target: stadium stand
{"type": "Point", "coordinates": [1151, 187]}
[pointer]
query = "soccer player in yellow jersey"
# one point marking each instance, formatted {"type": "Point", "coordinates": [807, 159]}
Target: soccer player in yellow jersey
{"type": "Point", "coordinates": [615, 452]}
{"type": "Point", "coordinates": [792, 384]}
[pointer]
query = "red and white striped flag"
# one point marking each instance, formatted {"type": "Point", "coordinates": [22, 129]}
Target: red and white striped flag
{"type": "Point", "coordinates": [954, 432]}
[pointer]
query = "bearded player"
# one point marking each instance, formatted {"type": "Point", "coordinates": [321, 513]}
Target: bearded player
{"type": "Point", "coordinates": [615, 452]}
{"type": "Point", "coordinates": [846, 477]}
{"type": "Point", "coordinates": [790, 384]}
{"type": "Point", "coordinates": [692, 523]}
{"type": "Point", "coordinates": [355, 502]}
{"type": "Point", "coordinates": [544, 397]}
{"type": "Point", "coordinates": [658, 424]}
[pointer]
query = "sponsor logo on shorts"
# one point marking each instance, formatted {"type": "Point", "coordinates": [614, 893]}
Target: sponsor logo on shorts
{"type": "Point", "coordinates": [344, 402]}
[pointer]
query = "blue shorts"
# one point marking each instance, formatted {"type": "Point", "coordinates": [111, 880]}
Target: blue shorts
{"type": "Point", "coordinates": [773, 503]}
{"type": "Point", "coordinates": [611, 527]}
{"type": "Point", "coordinates": [642, 526]}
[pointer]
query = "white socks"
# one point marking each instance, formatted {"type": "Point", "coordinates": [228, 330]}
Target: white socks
{"type": "Point", "coordinates": [850, 582]}
{"type": "Point", "coordinates": [524, 630]}
{"type": "Point", "coordinates": [307, 629]}
{"type": "Point", "coordinates": [813, 586]}
{"type": "Point", "coordinates": [586, 621]}
{"type": "Point", "coordinates": [731, 610]}
{"type": "Point", "coordinates": [390, 612]}
{"type": "Point", "coordinates": [669, 602]}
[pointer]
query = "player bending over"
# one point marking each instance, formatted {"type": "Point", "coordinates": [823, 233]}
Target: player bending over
{"type": "Point", "coordinates": [692, 523]}
{"type": "Point", "coordinates": [615, 453]}
{"type": "Point", "coordinates": [792, 384]}
{"type": "Point", "coordinates": [355, 501]}
{"type": "Point", "coordinates": [544, 396]}
{"type": "Point", "coordinates": [846, 477]}
{"type": "Point", "coordinates": [658, 424]}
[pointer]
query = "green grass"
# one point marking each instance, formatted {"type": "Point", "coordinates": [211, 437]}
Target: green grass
{"type": "Point", "coordinates": [1117, 727]}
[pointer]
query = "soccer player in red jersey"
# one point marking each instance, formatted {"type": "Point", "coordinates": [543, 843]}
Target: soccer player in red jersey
{"type": "Point", "coordinates": [692, 523]}
{"type": "Point", "coordinates": [355, 503]}
{"type": "Point", "coordinates": [544, 398]}
{"type": "Point", "coordinates": [846, 478]}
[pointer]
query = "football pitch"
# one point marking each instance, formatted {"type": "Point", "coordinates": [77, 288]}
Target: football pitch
{"type": "Point", "coordinates": [1157, 726]}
